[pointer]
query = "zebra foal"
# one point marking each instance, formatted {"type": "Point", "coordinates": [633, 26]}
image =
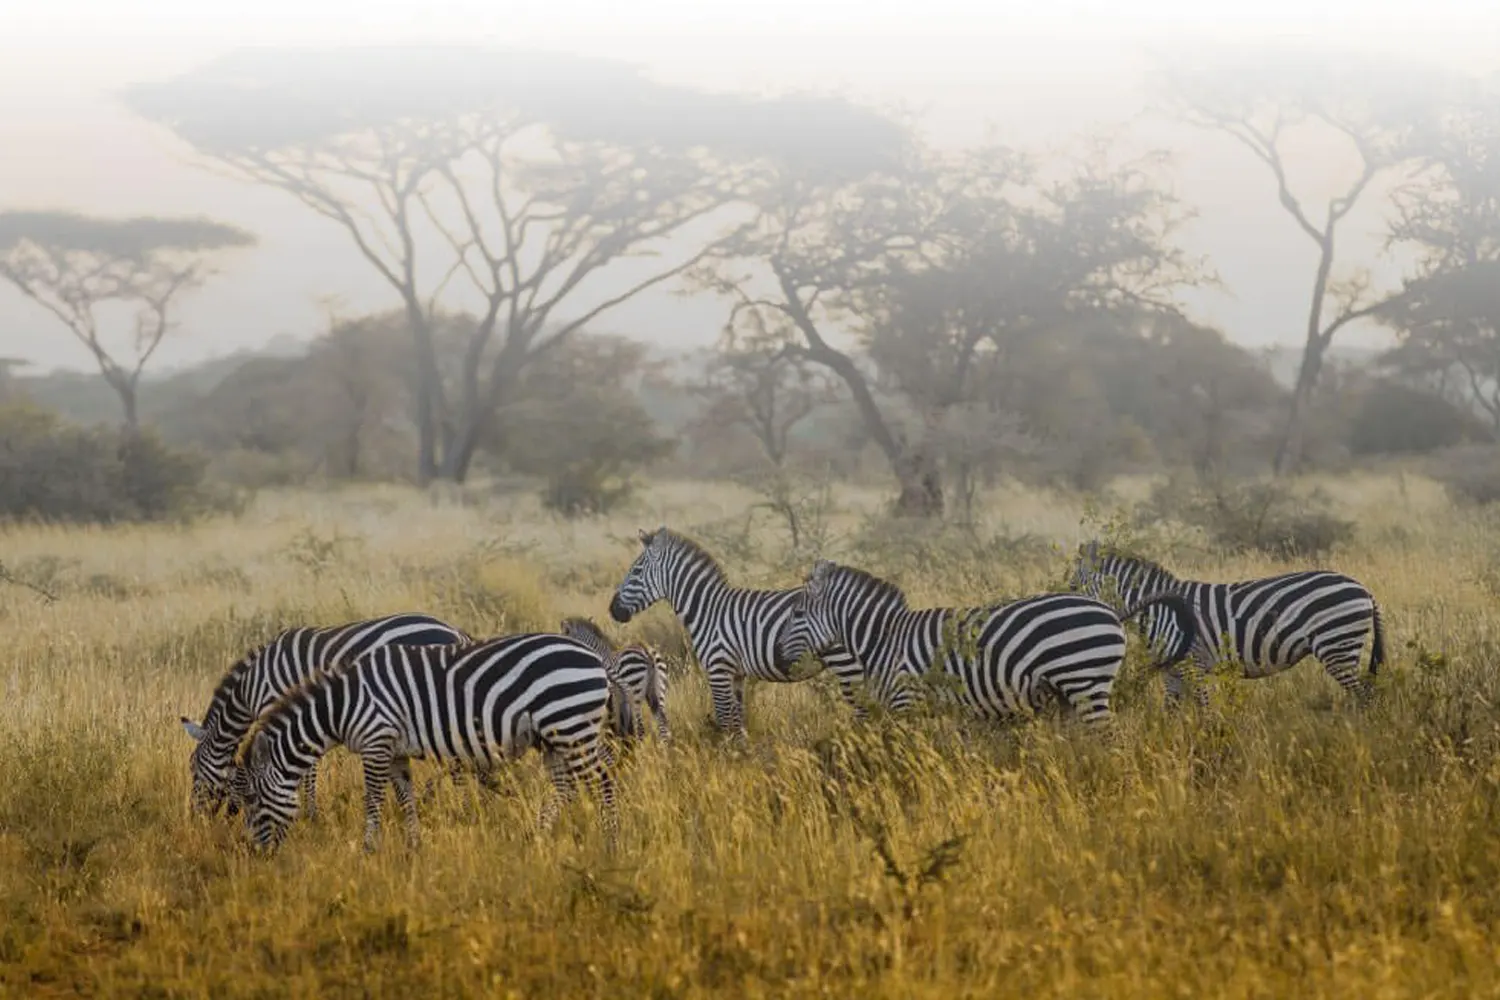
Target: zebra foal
{"type": "Point", "coordinates": [480, 703]}
{"type": "Point", "coordinates": [638, 668]}
{"type": "Point", "coordinates": [733, 631]}
{"type": "Point", "coordinates": [269, 671]}
{"type": "Point", "coordinates": [1005, 659]}
{"type": "Point", "coordinates": [1263, 626]}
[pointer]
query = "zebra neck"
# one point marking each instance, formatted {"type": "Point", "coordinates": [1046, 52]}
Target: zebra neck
{"type": "Point", "coordinates": [695, 597]}
{"type": "Point", "coordinates": [879, 642]}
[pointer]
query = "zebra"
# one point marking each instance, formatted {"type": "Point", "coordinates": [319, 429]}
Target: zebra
{"type": "Point", "coordinates": [637, 667]}
{"type": "Point", "coordinates": [1264, 626]}
{"type": "Point", "coordinates": [267, 672]}
{"type": "Point", "coordinates": [1003, 659]}
{"type": "Point", "coordinates": [733, 631]}
{"type": "Point", "coordinates": [480, 703]}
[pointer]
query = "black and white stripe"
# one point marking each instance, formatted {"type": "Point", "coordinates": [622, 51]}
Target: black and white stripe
{"type": "Point", "coordinates": [636, 667]}
{"type": "Point", "coordinates": [482, 703]}
{"type": "Point", "coordinates": [734, 632]}
{"type": "Point", "coordinates": [1261, 626]}
{"type": "Point", "coordinates": [1005, 659]}
{"type": "Point", "coordinates": [268, 672]}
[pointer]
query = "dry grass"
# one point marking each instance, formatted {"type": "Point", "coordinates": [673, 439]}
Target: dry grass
{"type": "Point", "coordinates": [1290, 847]}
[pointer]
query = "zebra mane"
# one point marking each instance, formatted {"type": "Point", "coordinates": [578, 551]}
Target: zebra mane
{"type": "Point", "coordinates": [289, 698]}
{"type": "Point", "coordinates": [871, 584]}
{"type": "Point", "coordinates": [1136, 562]}
{"type": "Point", "coordinates": [698, 553]}
{"type": "Point", "coordinates": [234, 675]}
{"type": "Point", "coordinates": [588, 633]}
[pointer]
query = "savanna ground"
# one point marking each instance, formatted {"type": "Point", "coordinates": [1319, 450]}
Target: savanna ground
{"type": "Point", "coordinates": [1286, 844]}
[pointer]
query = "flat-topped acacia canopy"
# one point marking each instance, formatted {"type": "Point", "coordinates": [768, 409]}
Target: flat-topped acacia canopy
{"type": "Point", "coordinates": [261, 100]}
{"type": "Point", "coordinates": [132, 239]}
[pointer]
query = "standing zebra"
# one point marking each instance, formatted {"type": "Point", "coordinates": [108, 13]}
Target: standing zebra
{"type": "Point", "coordinates": [636, 667]}
{"type": "Point", "coordinates": [268, 672]}
{"type": "Point", "coordinates": [480, 703]}
{"type": "Point", "coordinates": [733, 631]}
{"type": "Point", "coordinates": [1263, 626]}
{"type": "Point", "coordinates": [1006, 659]}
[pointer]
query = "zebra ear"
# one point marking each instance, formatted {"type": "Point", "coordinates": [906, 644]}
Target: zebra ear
{"type": "Point", "coordinates": [194, 730]}
{"type": "Point", "coordinates": [646, 537]}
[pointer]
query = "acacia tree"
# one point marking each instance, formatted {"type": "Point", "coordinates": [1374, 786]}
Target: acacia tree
{"type": "Point", "coordinates": [1265, 99]}
{"type": "Point", "coordinates": [542, 190]}
{"type": "Point", "coordinates": [74, 266]}
{"type": "Point", "coordinates": [1448, 315]}
{"type": "Point", "coordinates": [939, 269]}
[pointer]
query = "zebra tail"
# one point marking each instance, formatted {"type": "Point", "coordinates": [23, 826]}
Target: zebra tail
{"type": "Point", "coordinates": [1377, 647]}
{"type": "Point", "coordinates": [1187, 624]}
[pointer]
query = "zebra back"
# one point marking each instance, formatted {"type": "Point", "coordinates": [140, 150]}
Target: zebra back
{"type": "Point", "coordinates": [265, 673]}
{"type": "Point", "coordinates": [999, 659]}
{"type": "Point", "coordinates": [480, 703]}
{"type": "Point", "coordinates": [638, 668]}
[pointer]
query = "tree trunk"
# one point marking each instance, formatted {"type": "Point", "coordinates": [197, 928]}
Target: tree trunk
{"type": "Point", "coordinates": [1289, 451]}
{"type": "Point", "coordinates": [459, 454]}
{"type": "Point", "coordinates": [921, 486]}
{"type": "Point", "coordinates": [426, 389]}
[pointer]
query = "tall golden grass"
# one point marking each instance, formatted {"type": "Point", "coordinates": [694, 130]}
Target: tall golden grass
{"type": "Point", "coordinates": [1283, 844]}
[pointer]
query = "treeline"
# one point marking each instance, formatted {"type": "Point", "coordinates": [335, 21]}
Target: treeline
{"type": "Point", "coordinates": [595, 416]}
{"type": "Point", "coordinates": [936, 318]}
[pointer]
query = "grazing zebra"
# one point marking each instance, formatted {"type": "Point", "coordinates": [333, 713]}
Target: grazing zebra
{"type": "Point", "coordinates": [481, 703]}
{"type": "Point", "coordinates": [1263, 626]}
{"type": "Point", "coordinates": [733, 631]}
{"type": "Point", "coordinates": [637, 668]}
{"type": "Point", "coordinates": [1006, 659]}
{"type": "Point", "coordinates": [268, 672]}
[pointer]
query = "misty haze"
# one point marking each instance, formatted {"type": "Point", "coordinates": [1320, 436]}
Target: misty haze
{"type": "Point", "coordinates": [960, 501]}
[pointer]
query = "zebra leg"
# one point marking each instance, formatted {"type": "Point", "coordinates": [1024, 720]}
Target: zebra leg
{"type": "Point", "coordinates": [377, 768]}
{"type": "Point", "coordinates": [1173, 679]}
{"type": "Point", "coordinates": [1341, 662]}
{"type": "Point", "coordinates": [592, 767]}
{"type": "Point", "coordinates": [310, 792]}
{"type": "Point", "coordinates": [564, 790]}
{"type": "Point", "coordinates": [727, 688]}
{"type": "Point", "coordinates": [1090, 702]}
{"type": "Point", "coordinates": [401, 782]}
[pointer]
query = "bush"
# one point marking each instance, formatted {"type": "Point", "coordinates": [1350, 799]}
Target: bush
{"type": "Point", "coordinates": [1392, 418]}
{"type": "Point", "coordinates": [52, 470]}
{"type": "Point", "coordinates": [1263, 517]}
{"type": "Point", "coordinates": [1470, 474]}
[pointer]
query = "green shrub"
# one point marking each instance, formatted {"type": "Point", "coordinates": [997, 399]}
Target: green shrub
{"type": "Point", "coordinates": [51, 470]}
{"type": "Point", "coordinates": [1266, 517]}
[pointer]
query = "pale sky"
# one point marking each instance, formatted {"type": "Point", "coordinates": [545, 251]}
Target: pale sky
{"type": "Point", "coordinates": [1038, 79]}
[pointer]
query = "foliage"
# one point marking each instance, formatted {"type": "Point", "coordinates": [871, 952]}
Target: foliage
{"type": "Point", "coordinates": [577, 425]}
{"type": "Point", "coordinates": [54, 471]}
{"type": "Point", "coordinates": [1268, 517]}
{"type": "Point", "coordinates": [1471, 475]}
{"type": "Point", "coordinates": [1395, 418]}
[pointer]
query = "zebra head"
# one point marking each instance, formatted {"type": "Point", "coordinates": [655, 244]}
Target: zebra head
{"type": "Point", "coordinates": [1087, 576]}
{"type": "Point", "coordinates": [1116, 578]}
{"type": "Point", "coordinates": [645, 582]}
{"type": "Point", "coordinates": [810, 625]}
{"type": "Point", "coordinates": [208, 774]}
{"type": "Point", "coordinates": [269, 792]}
